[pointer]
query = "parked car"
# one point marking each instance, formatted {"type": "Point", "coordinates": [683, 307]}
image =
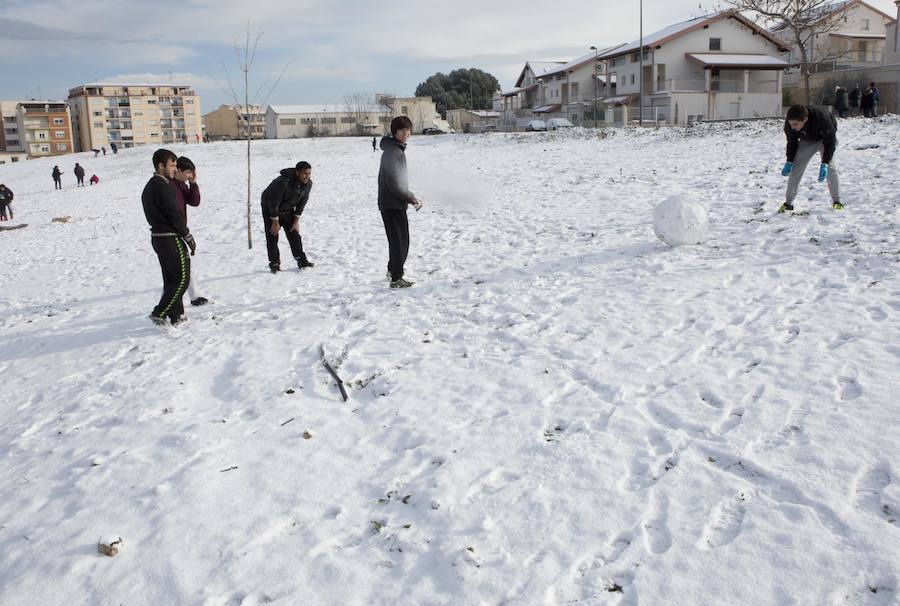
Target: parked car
{"type": "Point", "coordinates": [535, 125]}
{"type": "Point", "coordinates": [557, 123]}
{"type": "Point", "coordinates": [432, 131]}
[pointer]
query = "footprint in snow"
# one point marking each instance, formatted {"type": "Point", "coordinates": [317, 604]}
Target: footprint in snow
{"type": "Point", "coordinates": [657, 538]}
{"type": "Point", "coordinates": [868, 491]}
{"type": "Point", "coordinates": [848, 389]}
{"type": "Point", "coordinates": [724, 524]}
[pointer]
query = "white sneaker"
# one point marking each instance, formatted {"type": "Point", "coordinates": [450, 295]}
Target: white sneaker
{"type": "Point", "coordinates": [401, 283]}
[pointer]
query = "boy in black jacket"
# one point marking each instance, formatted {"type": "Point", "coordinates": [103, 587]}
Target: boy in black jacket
{"type": "Point", "coordinates": [6, 198]}
{"type": "Point", "coordinates": [283, 202]}
{"type": "Point", "coordinates": [810, 130]}
{"type": "Point", "coordinates": [170, 236]}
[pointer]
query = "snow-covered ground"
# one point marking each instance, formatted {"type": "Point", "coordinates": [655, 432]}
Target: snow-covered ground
{"type": "Point", "coordinates": [563, 410]}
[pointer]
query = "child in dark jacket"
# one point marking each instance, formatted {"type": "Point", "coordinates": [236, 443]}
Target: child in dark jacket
{"type": "Point", "coordinates": [6, 198]}
{"type": "Point", "coordinates": [187, 192]}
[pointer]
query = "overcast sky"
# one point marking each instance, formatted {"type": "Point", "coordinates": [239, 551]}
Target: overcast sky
{"type": "Point", "coordinates": [337, 46]}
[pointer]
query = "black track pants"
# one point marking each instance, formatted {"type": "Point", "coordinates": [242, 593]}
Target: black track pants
{"type": "Point", "coordinates": [396, 226]}
{"type": "Point", "coordinates": [176, 271]}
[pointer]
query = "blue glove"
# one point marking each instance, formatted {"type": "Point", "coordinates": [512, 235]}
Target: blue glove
{"type": "Point", "coordinates": [788, 167]}
{"type": "Point", "coordinates": [823, 172]}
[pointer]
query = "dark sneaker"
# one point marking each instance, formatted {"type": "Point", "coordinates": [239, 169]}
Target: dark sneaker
{"type": "Point", "coordinates": [179, 320]}
{"type": "Point", "coordinates": [199, 301]}
{"type": "Point", "coordinates": [304, 263]}
{"type": "Point", "coordinates": [401, 283]}
{"type": "Point", "coordinates": [837, 206]}
{"type": "Point", "coordinates": [787, 206]}
{"type": "Point", "coordinates": [157, 320]}
{"type": "Point", "coordinates": [274, 268]}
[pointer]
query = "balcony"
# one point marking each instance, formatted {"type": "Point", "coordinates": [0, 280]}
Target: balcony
{"type": "Point", "coordinates": [720, 85]}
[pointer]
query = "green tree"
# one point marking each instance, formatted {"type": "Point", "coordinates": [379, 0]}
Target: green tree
{"type": "Point", "coordinates": [470, 88]}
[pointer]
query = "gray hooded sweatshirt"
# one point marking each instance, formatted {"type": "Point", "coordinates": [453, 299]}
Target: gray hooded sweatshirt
{"type": "Point", "coordinates": [393, 180]}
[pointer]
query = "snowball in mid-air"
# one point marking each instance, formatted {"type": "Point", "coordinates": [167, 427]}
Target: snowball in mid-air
{"type": "Point", "coordinates": [678, 220]}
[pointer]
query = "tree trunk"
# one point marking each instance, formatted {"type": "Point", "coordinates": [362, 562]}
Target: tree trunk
{"type": "Point", "coordinates": [247, 108]}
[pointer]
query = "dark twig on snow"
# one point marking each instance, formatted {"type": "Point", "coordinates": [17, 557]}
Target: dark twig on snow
{"type": "Point", "coordinates": [229, 469]}
{"type": "Point", "coordinates": [328, 367]}
{"type": "Point", "coordinates": [288, 421]}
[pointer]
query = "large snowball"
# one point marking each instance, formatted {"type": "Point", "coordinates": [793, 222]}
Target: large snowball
{"type": "Point", "coordinates": [678, 220]}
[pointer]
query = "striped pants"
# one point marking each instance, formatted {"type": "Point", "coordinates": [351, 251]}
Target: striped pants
{"type": "Point", "coordinates": [176, 271]}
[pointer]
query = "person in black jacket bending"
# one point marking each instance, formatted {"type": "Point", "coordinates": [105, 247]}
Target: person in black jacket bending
{"type": "Point", "coordinates": [282, 204]}
{"type": "Point", "coordinates": [170, 237]}
{"type": "Point", "coordinates": [809, 130]}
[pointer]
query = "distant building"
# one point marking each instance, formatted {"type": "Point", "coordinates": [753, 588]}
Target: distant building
{"type": "Point", "coordinates": [473, 121]}
{"type": "Point", "coordinates": [12, 157]}
{"type": "Point", "coordinates": [892, 42]}
{"type": "Point", "coordinates": [36, 128]}
{"type": "Point", "coordinates": [422, 111]}
{"type": "Point", "coordinates": [232, 122]}
{"type": "Point", "coordinates": [134, 114]}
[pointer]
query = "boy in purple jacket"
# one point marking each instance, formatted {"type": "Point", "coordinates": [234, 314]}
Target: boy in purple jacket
{"type": "Point", "coordinates": [188, 192]}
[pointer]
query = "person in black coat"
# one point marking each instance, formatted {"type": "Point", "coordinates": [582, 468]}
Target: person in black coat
{"type": "Point", "coordinates": [79, 174]}
{"type": "Point", "coordinates": [57, 178]}
{"type": "Point", "coordinates": [283, 202]}
{"type": "Point", "coordinates": [170, 237]}
{"type": "Point", "coordinates": [854, 97]}
{"type": "Point", "coordinates": [6, 198]}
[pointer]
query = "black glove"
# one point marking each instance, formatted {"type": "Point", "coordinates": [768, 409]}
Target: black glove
{"type": "Point", "coordinates": [189, 240]}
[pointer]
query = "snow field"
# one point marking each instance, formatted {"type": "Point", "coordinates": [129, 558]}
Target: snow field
{"type": "Point", "coordinates": [563, 410]}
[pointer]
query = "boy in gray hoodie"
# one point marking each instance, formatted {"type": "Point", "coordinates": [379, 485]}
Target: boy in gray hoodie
{"type": "Point", "coordinates": [394, 197]}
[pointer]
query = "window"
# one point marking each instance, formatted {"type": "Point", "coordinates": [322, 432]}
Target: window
{"type": "Point", "coordinates": [865, 25]}
{"type": "Point", "coordinates": [329, 120]}
{"type": "Point", "coordinates": [98, 124]}
{"type": "Point", "coordinates": [97, 114]}
{"type": "Point", "coordinates": [62, 147]}
{"type": "Point", "coordinates": [44, 149]}
{"type": "Point", "coordinates": [348, 120]}
{"type": "Point", "coordinates": [189, 101]}
{"type": "Point", "coordinates": [715, 44]}
{"type": "Point", "coordinates": [287, 121]}
{"type": "Point", "coordinates": [632, 78]}
{"type": "Point", "coordinates": [138, 113]}
{"type": "Point", "coordinates": [138, 123]}
{"type": "Point", "coordinates": [11, 131]}
{"type": "Point", "coordinates": [42, 135]}
{"type": "Point", "coordinates": [60, 134]}
{"type": "Point", "coordinates": [154, 134]}
{"type": "Point", "coordinates": [635, 57]}
{"type": "Point", "coordinates": [58, 121]}
{"type": "Point", "coordinates": [151, 101]}
{"type": "Point", "coordinates": [404, 110]}
{"type": "Point", "coordinates": [618, 61]}
{"type": "Point", "coordinates": [15, 158]}
{"type": "Point", "coordinates": [308, 120]}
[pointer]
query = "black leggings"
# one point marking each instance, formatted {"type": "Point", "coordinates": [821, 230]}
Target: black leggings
{"type": "Point", "coordinates": [396, 226]}
{"type": "Point", "coordinates": [176, 271]}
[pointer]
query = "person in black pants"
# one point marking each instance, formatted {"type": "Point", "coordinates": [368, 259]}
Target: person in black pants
{"type": "Point", "coordinates": [57, 178]}
{"type": "Point", "coordinates": [79, 174]}
{"type": "Point", "coordinates": [283, 202]}
{"type": "Point", "coordinates": [394, 197]}
{"type": "Point", "coordinates": [170, 237]}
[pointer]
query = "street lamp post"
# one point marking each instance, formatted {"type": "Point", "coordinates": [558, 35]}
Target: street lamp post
{"type": "Point", "coordinates": [641, 69]}
{"type": "Point", "coordinates": [594, 48]}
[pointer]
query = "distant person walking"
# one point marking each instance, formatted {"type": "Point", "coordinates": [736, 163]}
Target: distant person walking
{"type": "Point", "coordinates": [79, 174]}
{"type": "Point", "coordinates": [810, 130]}
{"type": "Point", "coordinates": [374, 144]}
{"type": "Point", "coordinates": [114, 148]}
{"type": "Point", "coordinates": [283, 202]}
{"type": "Point", "coordinates": [57, 178]}
{"type": "Point", "coordinates": [103, 149]}
{"type": "Point", "coordinates": [6, 198]}
{"type": "Point", "coordinates": [394, 197]}
{"type": "Point", "coordinates": [170, 237]}
{"type": "Point", "coordinates": [841, 101]}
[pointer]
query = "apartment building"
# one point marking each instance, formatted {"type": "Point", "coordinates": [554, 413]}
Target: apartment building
{"type": "Point", "coordinates": [36, 128]}
{"type": "Point", "coordinates": [134, 114]}
{"type": "Point", "coordinates": [232, 121]}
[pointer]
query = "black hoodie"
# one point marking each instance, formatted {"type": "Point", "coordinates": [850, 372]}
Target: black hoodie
{"type": "Point", "coordinates": [820, 126]}
{"type": "Point", "coordinates": [286, 195]}
{"type": "Point", "coordinates": [393, 179]}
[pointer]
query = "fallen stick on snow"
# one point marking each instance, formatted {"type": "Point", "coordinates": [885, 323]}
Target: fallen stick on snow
{"type": "Point", "coordinates": [328, 367]}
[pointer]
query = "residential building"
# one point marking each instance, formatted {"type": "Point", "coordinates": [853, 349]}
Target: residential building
{"type": "Point", "coordinates": [134, 114]}
{"type": "Point", "coordinates": [892, 39]}
{"type": "Point", "coordinates": [853, 35]}
{"type": "Point", "coordinates": [232, 121]}
{"type": "Point", "coordinates": [36, 128]}
{"type": "Point", "coordinates": [11, 140]}
{"type": "Point", "coordinates": [422, 111]}
{"type": "Point", "coordinates": [473, 121]}
{"type": "Point", "coordinates": [718, 66]}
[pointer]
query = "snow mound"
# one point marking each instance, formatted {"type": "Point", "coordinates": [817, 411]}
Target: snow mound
{"type": "Point", "coordinates": [678, 220]}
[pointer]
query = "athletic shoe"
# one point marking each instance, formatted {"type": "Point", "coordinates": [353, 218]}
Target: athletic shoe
{"type": "Point", "coordinates": [199, 301]}
{"type": "Point", "coordinates": [401, 283]}
{"type": "Point", "coordinates": [787, 206]}
{"type": "Point", "coordinates": [303, 264]}
{"type": "Point", "coordinates": [274, 268]}
{"type": "Point", "coordinates": [179, 320]}
{"type": "Point", "coordinates": [157, 320]}
{"type": "Point", "coordinates": [837, 206]}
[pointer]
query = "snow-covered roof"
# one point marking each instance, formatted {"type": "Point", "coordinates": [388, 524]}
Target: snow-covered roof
{"type": "Point", "coordinates": [326, 108]}
{"type": "Point", "coordinates": [539, 68]}
{"type": "Point", "coordinates": [679, 29]}
{"type": "Point", "coordinates": [739, 60]}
